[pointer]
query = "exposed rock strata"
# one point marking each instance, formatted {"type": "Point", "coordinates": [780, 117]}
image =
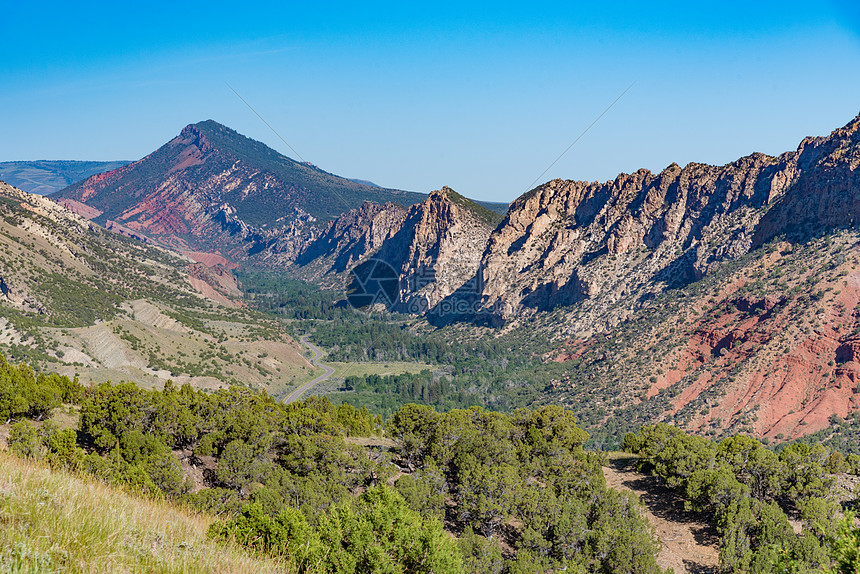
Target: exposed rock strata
{"type": "Point", "coordinates": [437, 250]}
{"type": "Point", "coordinates": [211, 189]}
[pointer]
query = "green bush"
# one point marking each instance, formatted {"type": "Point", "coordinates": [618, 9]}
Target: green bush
{"type": "Point", "coordinates": [376, 533]}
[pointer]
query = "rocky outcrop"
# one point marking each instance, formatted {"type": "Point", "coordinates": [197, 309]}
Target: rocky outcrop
{"type": "Point", "coordinates": [20, 299]}
{"type": "Point", "coordinates": [825, 192]}
{"type": "Point", "coordinates": [123, 230]}
{"type": "Point", "coordinates": [214, 282]}
{"type": "Point", "coordinates": [437, 250]}
{"type": "Point", "coordinates": [351, 238]}
{"type": "Point", "coordinates": [631, 238]}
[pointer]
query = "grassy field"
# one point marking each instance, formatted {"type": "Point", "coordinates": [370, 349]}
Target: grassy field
{"type": "Point", "coordinates": [51, 521]}
{"type": "Point", "coordinates": [343, 370]}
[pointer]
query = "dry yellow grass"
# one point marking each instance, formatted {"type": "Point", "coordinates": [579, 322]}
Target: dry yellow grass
{"type": "Point", "coordinates": [51, 521]}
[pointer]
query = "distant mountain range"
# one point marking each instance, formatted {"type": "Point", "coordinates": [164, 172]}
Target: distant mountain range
{"type": "Point", "coordinates": [45, 177]}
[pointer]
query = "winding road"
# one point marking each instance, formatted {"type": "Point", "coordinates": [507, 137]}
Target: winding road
{"type": "Point", "coordinates": [317, 353]}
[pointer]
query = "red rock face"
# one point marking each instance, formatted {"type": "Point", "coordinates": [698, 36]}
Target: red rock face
{"type": "Point", "coordinates": [794, 393]}
{"type": "Point", "coordinates": [848, 352]}
{"type": "Point", "coordinates": [81, 209]}
{"type": "Point", "coordinates": [776, 364]}
{"type": "Point", "coordinates": [213, 190]}
{"type": "Point", "coordinates": [216, 283]}
{"type": "Point", "coordinates": [92, 185]}
{"type": "Point", "coordinates": [209, 259]}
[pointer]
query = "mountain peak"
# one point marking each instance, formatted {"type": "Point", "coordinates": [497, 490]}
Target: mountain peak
{"type": "Point", "coordinates": [484, 215]}
{"type": "Point", "coordinates": [179, 193]}
{"type": "Point", "coordinates": [210, 124]}
{"type": "Point", "coordinates": [443, 194]}
{"type": "Point", "coordinates": [204, 127]}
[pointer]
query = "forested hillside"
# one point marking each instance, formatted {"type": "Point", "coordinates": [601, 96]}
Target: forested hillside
{"type": "Point", "coordinates": [501, 373]}
{"type": "Point", "coordinates": [332, 489]}
{"type": "Point", "coordinates": [325, 488]}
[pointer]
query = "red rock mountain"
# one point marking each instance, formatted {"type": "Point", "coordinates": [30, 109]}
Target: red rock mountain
{"type": "Point", "coordinates": [212, 189]}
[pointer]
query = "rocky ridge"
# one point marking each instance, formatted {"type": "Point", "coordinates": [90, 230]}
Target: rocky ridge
{"type": "Point", "coordinates": [433, 248]}
{"type": "Point", "coordinates": [348, 241]}
{"type": "Point", "coordinates": [595, 244]}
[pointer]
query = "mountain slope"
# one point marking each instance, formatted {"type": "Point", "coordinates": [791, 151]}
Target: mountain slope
{"type": "Point", "coordinates": [721, 299]}
{"type": "Point", "coordinates": [79, 299]}
{"type": "Point", "coordinates": [765, 345]}
{"type": "Point", "coordinates": [211, 188]}
{"type": "Point", "coordinates": [45, 177]}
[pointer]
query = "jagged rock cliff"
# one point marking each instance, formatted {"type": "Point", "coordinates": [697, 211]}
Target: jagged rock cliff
{"type": "Point", "coordinates": [433, 248]}
{"type": "Point", "coordinates": [567, 241]}
{"type": "Point", "coordinates": [350, 239]}
{"type": "Point", "coordinates": [438, 249]}
{"type": "Point", "coordinates": [825, 192]}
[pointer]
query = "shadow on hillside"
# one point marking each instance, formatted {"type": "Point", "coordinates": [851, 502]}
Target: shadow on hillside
{"type": "Point", "coordinates": [696, 568]}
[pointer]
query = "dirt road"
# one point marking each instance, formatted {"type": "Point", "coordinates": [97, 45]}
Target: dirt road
{"type": "Point", "coordinates": [689, 543]}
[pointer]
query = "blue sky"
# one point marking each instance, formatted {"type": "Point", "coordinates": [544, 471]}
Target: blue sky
{"type": "Point", "coordinates": [478, 96]}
